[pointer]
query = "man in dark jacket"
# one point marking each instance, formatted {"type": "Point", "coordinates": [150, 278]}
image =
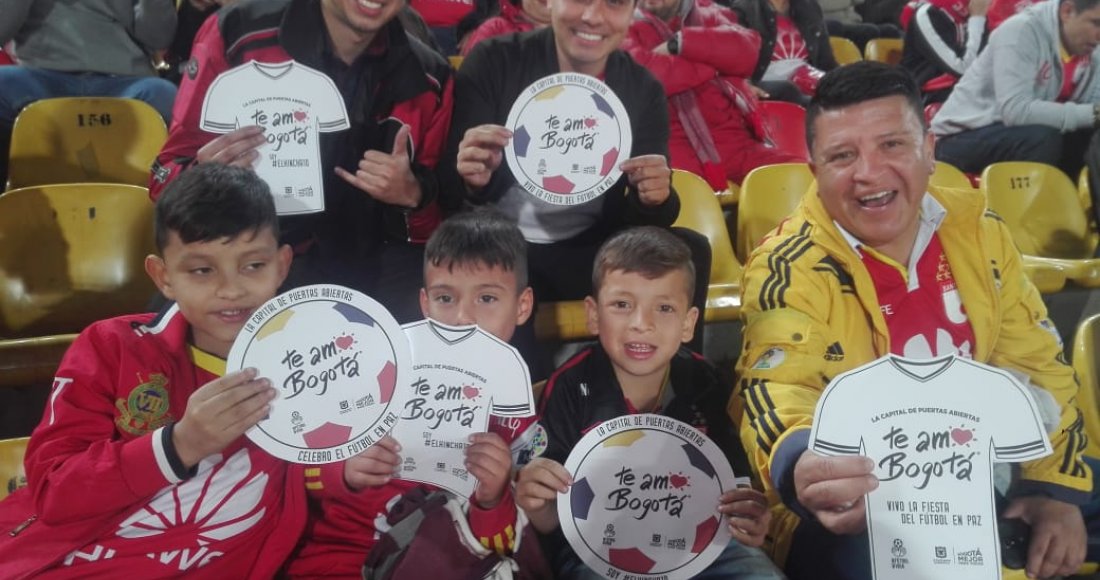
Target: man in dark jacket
{"type": "Point", "coordinates": [378, 178]}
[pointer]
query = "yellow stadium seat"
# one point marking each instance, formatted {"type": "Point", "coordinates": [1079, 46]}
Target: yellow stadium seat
{"type": "Point", "coordinates": [699, 211]}
{"type": "Point", "coordinates": [71, 254]}
{"type": "Point", "coordinates": [947, 175]}
{"type": "Point", "coordinates": [1085, 195]}
{"type": "Point", "coordinates": [562, 321]}
{"type": "Point", "coordinates": [844, 51]}
{"type": "Point", "coordinates": [82, 140]}
{"type": "Point", "coordinates": [1042, 209]}
{"type": "Point", "coordinates": [728, 197]}
{"type": "Point", "coordinates": [887, 50]}
{"type": "Point", "coordinates": [1086, 341]}
{"type": "Point", "coordinates": [12, 476]}
{"type": "Point", "coordinates": [768, 195]}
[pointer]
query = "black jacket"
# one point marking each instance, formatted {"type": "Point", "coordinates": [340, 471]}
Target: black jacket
{"type": "Point", "coordinates": [492, 78]}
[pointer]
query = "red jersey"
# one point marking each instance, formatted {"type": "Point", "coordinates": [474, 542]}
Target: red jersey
{"type": "Point", "coordinates": [103, 498]}
{"type": "Point", "coordinates": [925, 318]}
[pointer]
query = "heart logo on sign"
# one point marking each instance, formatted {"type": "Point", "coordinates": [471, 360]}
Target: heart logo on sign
{"type": "Point", "coordinates": [678, 481]}
{"type": "Point", "coordinates": [344, 342]}
{"type": "Point", "coordinates": [470, 392]}
{"type": "Point", "coordinates": [590, 122]}
{"type": "Point", "coordinates": [299, 116]}
{"type": "Point", "coordinates": [961, 436]}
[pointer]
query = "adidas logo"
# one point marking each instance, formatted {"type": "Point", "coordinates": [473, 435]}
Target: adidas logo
{"type": "Point", "coordinates": [834, 352]}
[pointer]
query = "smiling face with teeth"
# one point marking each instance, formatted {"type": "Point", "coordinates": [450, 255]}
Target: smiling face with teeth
{"type": "Point", "coordinates": [641, 323]}
{"type": "Point", "coordinates": [219, 283]}
{"type": "Point", "coordinates": [586, 32]}
{"type": "Point", "coordinates": [352, 24]}
{"type": "Point", "coordinates": [872, 161]}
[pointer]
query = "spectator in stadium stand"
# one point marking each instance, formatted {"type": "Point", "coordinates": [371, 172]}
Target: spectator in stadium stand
{"type": "Point", "coordinates": [1001, 10]}
{"type": "Point", "coordinates": [515, 16]}
{"type": "Point", "coordinates": [941, 42]}
{"type": "Point", "coordinates": [794, 49]}
{"type": "Point", "coordinates": [704, 59]}
{"type": "Point", "coordinates": [1030, 95]}
{"type": "Point", "coordinates": [378, 176]}
{"type": "Point", "coordinates": [447, 17]}
{"type": "Point", "coordinates": [97, 48]}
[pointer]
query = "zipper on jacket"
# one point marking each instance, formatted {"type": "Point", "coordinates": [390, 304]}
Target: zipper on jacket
{"type": "Point", "coordinates": [19, 529]}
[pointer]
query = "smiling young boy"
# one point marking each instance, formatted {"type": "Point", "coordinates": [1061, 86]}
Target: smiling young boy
{"type": "Point", "coordinates": [139, 467]}
{"type": "Point", "coordinates": [641, 309]}
{"type": "Point", "coordinates": [475, 272]}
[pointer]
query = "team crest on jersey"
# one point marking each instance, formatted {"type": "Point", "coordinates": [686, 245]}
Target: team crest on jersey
{"type": "Point", "coordinates": [771, 358]}
{"type": "Point", "coordinates": [146, 408]}
{"type": "Point", "coordinates": [191, 68]}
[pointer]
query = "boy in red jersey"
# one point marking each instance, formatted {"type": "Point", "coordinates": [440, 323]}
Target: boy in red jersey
{"type": "Point", "coordinates": [139, 466]}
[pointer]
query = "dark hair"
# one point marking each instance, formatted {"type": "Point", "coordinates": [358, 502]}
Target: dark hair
{"type": "Point", "coordinates": [213, 201]}
{"type": "Point", "coordinates": [647, 250]}
{"type": "Point", "coordinates": [858, 82]}
{"type": "Point", "coordinates": [482, 236]}
{"type": "Point", "coordinates": [1080, 6]}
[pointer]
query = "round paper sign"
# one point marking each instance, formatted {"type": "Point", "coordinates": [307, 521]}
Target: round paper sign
{"type": "Point", "coordinates": [336, 357]}
{"type": "Point", "coordinates": [570, 132]}
{"type": "Point", "coordinates": [644, 499]}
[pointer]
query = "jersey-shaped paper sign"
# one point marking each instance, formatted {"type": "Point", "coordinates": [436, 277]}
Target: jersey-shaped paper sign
{"type": "Point", "coordinates": [570, 132]}
{"type": "Point", "coordinates": [460, 375]}
{"type": "Point", "coordinates": [336, 357]}
{"type": "Point", "coordinates": [294, 104]}
{"type": "Point", "coordinates": [934, 435]}
{"type": "Point", "coordinates": [644, 499]}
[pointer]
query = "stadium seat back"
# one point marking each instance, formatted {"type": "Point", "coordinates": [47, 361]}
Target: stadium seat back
{"type": "Point", "coordinates": [84, 140]}
{"type": "Point", "coordinates": [71, 254]}
{"type": "Point", "coordinates": [844, 51]}
{"type": "Point", "coordinates": [887, 50]}
{"type": "Point", "coordinates": [947, 175]}
{"type": "Point", "coordinates": [768, 195]}
{"type": "Point", "coordinates": [1086, 341]}
{"type": "Point", "coordinates": [1041, 207]}
{"type": "Point", "coordinates": [700, 211]}
{"type": "Point", "coordinates": [12, 475]}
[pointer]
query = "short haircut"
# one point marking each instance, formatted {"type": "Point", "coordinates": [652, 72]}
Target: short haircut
{"type": "Point", "coordinates": [858, 82]}
{"type": "Point", "coordinates": [1080, 6]}
{"type": "Point", "coordinates": [482, 236]}
{"type": "Point", "coordinates": [212, 201]}
{"type": "Point", "coordinates": [649, 251]}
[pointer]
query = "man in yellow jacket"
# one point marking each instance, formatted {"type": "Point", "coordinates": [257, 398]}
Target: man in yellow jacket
{"type": "Point", "coordinates": [874, 262]}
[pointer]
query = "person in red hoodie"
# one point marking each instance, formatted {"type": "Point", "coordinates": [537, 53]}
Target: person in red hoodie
{"type": "Point", "coordinates": [704, 60]}
{"type": "Point", "coordinates": [515, 16]}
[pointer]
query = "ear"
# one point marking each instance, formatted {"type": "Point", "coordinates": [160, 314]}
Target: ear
{"type": "Point", "coordinates": [424, 303]}
{"type": "Point", "coordinates": [525, 305]}
{"type": "Point", "coordinates": [930, 148]}
{"type": "Point", "coordinates": [158, 273]}
{"type": "Point", "coordinates": [1066, 10]}
{"type": "Point", "coordinates": [592, 315]}
{"type": "Point", "coordinates": [688, 330]}
{"type": "Point", "coordinates": [283, 258]}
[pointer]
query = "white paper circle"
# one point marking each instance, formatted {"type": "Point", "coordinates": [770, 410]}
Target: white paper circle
{"type": "Point", "coordinates": [336, 357]}
{"type": "Point", "coordinates": [644, 499]}
{"type": "Point", "coordinates": [570, 132]}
